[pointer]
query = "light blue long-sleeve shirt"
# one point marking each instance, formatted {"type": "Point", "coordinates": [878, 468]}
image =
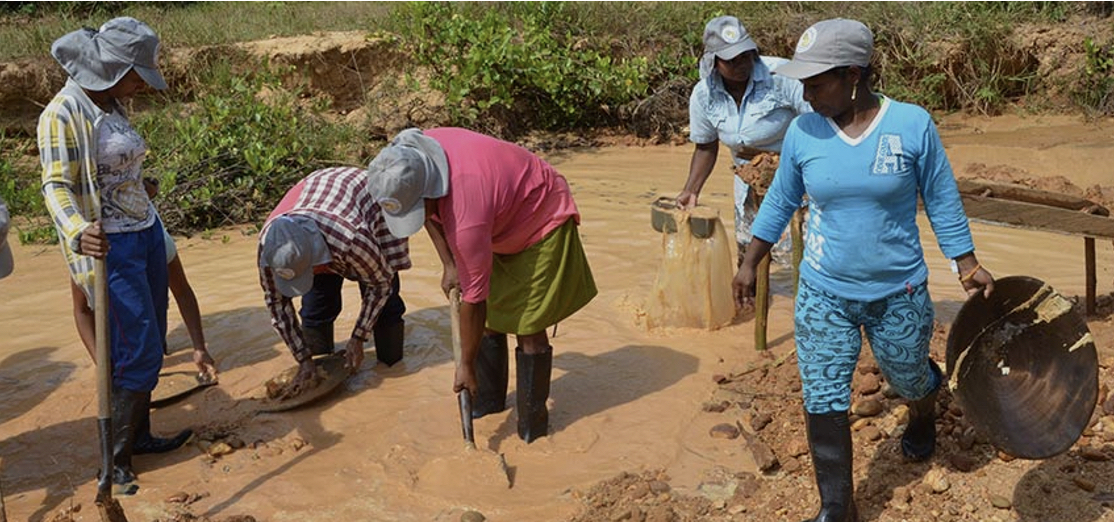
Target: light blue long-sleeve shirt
{"type": "Point", "coordinates": [863, 242]}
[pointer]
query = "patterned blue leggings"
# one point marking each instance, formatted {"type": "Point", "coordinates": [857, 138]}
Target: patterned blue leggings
{"type": "Point", "coordinates": [829, 338]}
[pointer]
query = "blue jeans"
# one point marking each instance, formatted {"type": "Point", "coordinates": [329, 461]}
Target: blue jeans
{"type": "Point", "coordinates": [829, 339]}
{"type": "Point", "coordinates": [322, 304]}
{"type": "Point", "coordinates": [137, 303]}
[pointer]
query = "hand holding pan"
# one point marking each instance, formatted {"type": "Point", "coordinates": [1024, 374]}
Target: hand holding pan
{"type": "Point", "coordinates": [1023, 366]}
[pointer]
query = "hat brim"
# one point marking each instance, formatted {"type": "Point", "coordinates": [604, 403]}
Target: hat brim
{"type": "Point", "coordinates": [6, 261]}
{"type": "Point", "coordinates": [300, 285]}
{"type": "Point", "coordinates": [152, 76]}
{"type": "Point", "coordinates": [737, 48]}
{"type": "Point", "coordinates": [799, 70]}
{"type": "Point", "coordinates": [407, 224]}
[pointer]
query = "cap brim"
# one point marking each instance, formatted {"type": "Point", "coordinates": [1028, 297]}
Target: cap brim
{"type": "Point", "coordinates": [300, 285]}
{"type": "Point", "coordinates": [407, 224]}
{"type": "Point", "coordinates": [6, 261]}
{"type": "Point", "coordinates": [152, 76]}
{"type": "Point", "coordinates": [736, 49]}
{"type": "Point", "coordinates": [799, 70]}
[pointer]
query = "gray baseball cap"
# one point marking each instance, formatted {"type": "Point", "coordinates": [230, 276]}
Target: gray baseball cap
{"type": "Point", "coordinates": [726, 38]}
{"type": "Point", "coordinates": [405, 173]}
{"type": "Point", "coordinates": [838, 42]}
{"type": "Point", "coordinates": [98, 59]}
{"type": "Point", "coordinates": [6, 261]}
{"type": "Point", "coordinates": [291, 246]}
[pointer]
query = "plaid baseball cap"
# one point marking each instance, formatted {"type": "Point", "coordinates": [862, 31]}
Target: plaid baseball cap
{"type": "Point", "coordinates": [838, 42]}
{"type": "Point", "coordinates": [98, 59]}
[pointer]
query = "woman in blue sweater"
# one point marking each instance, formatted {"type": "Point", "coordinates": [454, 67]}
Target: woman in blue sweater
{"type": "Point", "coordinates": [862, 159]}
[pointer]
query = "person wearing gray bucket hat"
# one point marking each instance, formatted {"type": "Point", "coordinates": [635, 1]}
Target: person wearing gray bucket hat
{"type": "Point", "coordinates": [326, 230]}
{"type": "Point", "coordinates": [92, 171]}
{"type": "Point", "coordinates": [504, 224]}
{"type": "Point", "coordinates": [864, 162]}
{"type": "Point", "coordinates": [738, 103]}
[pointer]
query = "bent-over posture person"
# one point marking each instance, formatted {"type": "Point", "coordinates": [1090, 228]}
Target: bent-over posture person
{"type": "Point", "coordinates": [505, 227]}
{"type": "Point", "coordinates": [327, 229]}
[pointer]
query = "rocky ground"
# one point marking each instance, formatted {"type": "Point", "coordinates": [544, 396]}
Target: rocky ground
{"type": "Point", "coordinates": [967, 479]}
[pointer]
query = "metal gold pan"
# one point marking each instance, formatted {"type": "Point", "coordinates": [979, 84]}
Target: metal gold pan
{"type": "Point", "coordinates": [1024, 368]}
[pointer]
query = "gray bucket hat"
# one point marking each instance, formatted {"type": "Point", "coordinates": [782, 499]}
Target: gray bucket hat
{"type": "Point", "coordinates": [724, 38]}
{"type": "Point", "coordinates": [405, 173]}
{"type": "Point", "coordinates": [98, 59]}
{"type": "Point", "coordinates": [291, 247]}
{"type": "Point", "coordinates": [6, 261]}
{"type": "Point", "coordinates": [829, 44]}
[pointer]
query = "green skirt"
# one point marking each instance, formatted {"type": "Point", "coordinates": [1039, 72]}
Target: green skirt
{"type": "Point", "coordinates": [538, 287]}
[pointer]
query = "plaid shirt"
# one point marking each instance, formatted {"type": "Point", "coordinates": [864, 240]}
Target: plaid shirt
{"type": "Point", "coordinates": [67, 140]}
{"type": "Point", "coordinates": [361, 246]}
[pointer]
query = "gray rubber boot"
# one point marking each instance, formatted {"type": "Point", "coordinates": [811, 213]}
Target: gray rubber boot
{"type": "Point", "coordinates": [918, 443]}
{"type": "Point", "coordinates": [389, 339]}
{"type": "Point", "coordinates": [829, 441]}
{"type": "Point", "coordinates": [492, 372]}
{"type": "Point", "coordinates": [533, 375]}
{"type": "Point", "coordinates": [319, 339]}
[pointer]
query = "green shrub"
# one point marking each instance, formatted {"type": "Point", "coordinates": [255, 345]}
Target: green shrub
{"type": "Point", "coordinates": [1093, 92]}
{"type": "Point", "coordinates": [230, 155]}
{"type": "Point", "coordinates": [512, 67]}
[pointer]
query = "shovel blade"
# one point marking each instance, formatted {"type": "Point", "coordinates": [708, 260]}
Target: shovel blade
{"type": "Point", "coordinates": [110, 510]}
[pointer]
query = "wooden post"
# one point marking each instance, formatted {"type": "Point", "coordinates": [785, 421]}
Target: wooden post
{"type": "Point", "coordinates": [761, 302]}
{"type": "Point", "coordinates": [1092, 280]}
{"type": "Point", "coordinates": [796, 233]}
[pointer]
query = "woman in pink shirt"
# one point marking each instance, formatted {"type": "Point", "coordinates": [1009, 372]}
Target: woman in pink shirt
{"type": "Point", "coordinates": [504, 225]}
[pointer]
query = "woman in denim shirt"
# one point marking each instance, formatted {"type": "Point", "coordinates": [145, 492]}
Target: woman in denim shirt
{"type": "Point", "coordinates": [738, 102]}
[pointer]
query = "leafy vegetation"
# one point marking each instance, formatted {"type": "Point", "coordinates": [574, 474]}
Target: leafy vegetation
{"type": "Point", "coordinates": [230, 155]}
{"type": "Point", "coordinates": [1094, 90]}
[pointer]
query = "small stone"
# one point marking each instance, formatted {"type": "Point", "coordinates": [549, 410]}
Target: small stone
{"type": "Point", "coordinates": [967, 439]}
{"type": "Point", "coordinates": [791, 465]}
{"type": "Point", "coordinates": [298, 443]}
{"type": "Point", "coordinates": [872, 433]}
{"type": "Point", "coordinates": [472, 516]}
{"type": "Point", "coordinates": [760, 421]}
{"type": "Point", "coordinates": [859, 424]}
{"type": "Point", "coordinates": [719, 378]}
{"type": "Point", "coordinates": [961, 462]}
{"type": "Point", "coordinates": [1093, 454]}
{"type": "Point", "coordinates": [1000, 502]}
{"type": "Point", "coordinates": [796, 448]}
{"type": "Point", "coordinates": [1005, 457]}
{"type": "Point", "coordinates": [724, 431]}
{"type": "Point", "coordinates": [866, 408]}
{"type": "Point", "coordinates": [1084, 484]}
{"type": "Point", "coordinates": [178, 498]}
{"type": "Point", "coordinates": [716, 407]}
{"type": "Point", "coordinates": [937, 480]}
{"type": "Point", "coordinates": [236, 442]}
{"type": "Point", "coordinates": [869, 384]}
{"type": "Point", "coordinates": [220, 448]}
{"type": "Point", "coordinates": [902, 494]}
{"type": "Point", "coordinates": [658, 487]}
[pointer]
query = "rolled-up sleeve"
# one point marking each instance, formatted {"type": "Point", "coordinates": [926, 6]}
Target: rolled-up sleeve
{"type": "Point", "coordinates": [701, 130]}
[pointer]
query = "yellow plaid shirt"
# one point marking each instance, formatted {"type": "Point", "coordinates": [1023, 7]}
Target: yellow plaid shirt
{"type": "Point", "coordinates": [67, 142]}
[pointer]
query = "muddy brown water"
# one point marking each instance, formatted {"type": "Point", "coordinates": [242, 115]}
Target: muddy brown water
{"type": "Point", "coordinates": [388, 447]}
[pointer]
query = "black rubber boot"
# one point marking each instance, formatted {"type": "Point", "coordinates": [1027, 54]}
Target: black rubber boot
{"type": "Point", "coordinates": [126, 407]}
{"type": "Point", "coordinates": [145, 442]}
{"type": "Point", "coordinates": [319, 339]}
{"type": "Point", "coordinates": [491, 376]}
{"type": "Point", "coordinates": [389, 341]}
{"type": "Point", "coordinates": [533, 389]}
{"type": "Point", "coordinates": [918, 443]}
{"type": "Point", "coordinates": [829, 440]}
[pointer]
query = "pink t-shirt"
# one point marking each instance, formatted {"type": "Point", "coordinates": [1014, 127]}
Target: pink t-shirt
{"type": "Point", "coordinates": [502, 200]}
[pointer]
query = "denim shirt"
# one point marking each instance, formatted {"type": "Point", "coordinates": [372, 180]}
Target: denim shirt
{"type": "Point", "coordinates": [769, 104]}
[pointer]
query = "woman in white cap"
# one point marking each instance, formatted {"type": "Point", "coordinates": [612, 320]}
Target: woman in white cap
{"type": "Point", "coordinates": [92, 158]}
{"type": "Point", "coordinates": [739, 103]}
{"type": "Point", "coordinates": [863, 160]}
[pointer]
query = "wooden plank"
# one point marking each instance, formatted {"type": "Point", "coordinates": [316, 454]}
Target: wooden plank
{"type": "Point", "coordinates": [1014, 192]}
{"type": "Point", "coordinates": [1037, 217]}
{"type": "Point", "coordinates": [1091, 279]}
